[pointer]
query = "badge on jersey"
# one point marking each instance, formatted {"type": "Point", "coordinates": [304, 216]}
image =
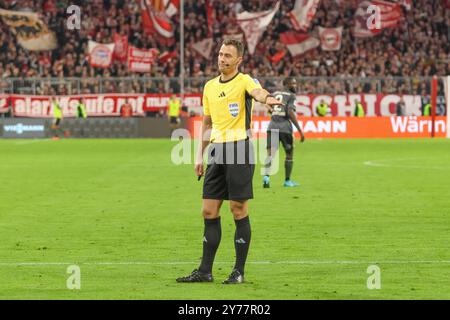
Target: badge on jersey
{"type": "Point", "coordinates": [234, 109]}
{"type": "Point", "coordinates": [256, 81]}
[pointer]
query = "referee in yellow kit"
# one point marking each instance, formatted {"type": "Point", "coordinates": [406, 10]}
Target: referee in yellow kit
{"type": "Point", "coordinates": [227, 114]}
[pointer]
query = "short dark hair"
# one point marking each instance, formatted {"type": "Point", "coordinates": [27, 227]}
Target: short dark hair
{"type": "Point", "coordinates": [235, 43]}
{"type": "Point", "coordinates": [287, 80]}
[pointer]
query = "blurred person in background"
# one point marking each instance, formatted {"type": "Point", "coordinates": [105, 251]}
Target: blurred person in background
{"type": "Point", "coordinates": [173, 113]}
{"type": "Point", "coordinates": [322, 108]}
{"type": "Point", "coordinates": [126, 111]}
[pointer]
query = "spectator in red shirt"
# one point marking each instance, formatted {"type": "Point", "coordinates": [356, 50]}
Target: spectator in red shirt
{"type": "Point", "coordinates": [126, 111]}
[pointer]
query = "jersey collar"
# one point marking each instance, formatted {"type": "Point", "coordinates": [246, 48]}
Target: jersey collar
{"type": "Point", "coordinates": [220, 80]}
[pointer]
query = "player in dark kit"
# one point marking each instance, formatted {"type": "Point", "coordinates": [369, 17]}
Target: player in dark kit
{"type": "Point", "coordinates": [283, 117]}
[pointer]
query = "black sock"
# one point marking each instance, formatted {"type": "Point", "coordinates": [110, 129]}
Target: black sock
{"type": "Point", "coordinates": [242, 242]}
{"type": "Point", "coordinates": [288, 164]}
{"type": "Point", "coordinates": [211, 241]}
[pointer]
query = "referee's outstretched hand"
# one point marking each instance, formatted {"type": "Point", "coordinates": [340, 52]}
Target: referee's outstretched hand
{"type": "Point", "coordinates": [271, 101]}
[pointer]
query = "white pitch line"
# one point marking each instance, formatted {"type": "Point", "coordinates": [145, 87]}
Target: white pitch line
{"type": "Point", "coordinates": [298, 262]}
{"type": "Point", "coordinates": [31, 141]}
{"type": "Point", "coordinates": [377, 163]}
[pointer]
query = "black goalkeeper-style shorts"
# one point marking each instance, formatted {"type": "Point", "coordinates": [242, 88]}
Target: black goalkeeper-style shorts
{"type": "Point", "coordinates": [229, 173]}
{"type": "Point", "coordinates": [286, 139]}
{"type": "Point", "coordinates": [174, 120]}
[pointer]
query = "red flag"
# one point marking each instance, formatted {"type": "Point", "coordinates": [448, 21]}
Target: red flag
{"type": "Point", "coordinates": [390, 14]}
{"type": "Point", "coordinates": [156, 21]}
{"type": "Point", "coordinates": [303, 13]}
{"type": "Point", "coordinates": [141, 60]}
{"type": "Point", "coordinates": [447, 3]}
{"type": "Point", "coordinates": [277, 56]}
{"type": "Point", "coordinates": [209, 17]}
{"type": "Point", "coordinates": [373, 16]}
{"type": "Point", "coordinates": [167, 56]}
{"type": "Point", "coordinates": [298, 43]}
{"type": "Point", "coordinates": [120, 47]}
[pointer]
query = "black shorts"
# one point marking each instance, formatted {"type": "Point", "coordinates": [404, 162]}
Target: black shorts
{"type": "Point", "coordinates": [286, 139]}
{"type": "Point", "coordinates": [174, 120]}
{"type": "Point", "coordinates": [57, 121]}
{"type": "Point", "coordinates": [229, 174]}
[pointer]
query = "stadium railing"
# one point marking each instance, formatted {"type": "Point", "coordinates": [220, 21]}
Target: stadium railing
{"type": "Point", "coordinates": [308, 85]}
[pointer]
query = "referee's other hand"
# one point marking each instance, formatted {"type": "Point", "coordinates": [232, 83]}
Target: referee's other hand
{"type": "Point", "coordinates": [199, 169]}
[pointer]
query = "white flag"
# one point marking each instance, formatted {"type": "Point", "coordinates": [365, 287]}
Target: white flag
{"type": "Point", "coordinates": [297, 43]}
{"type": "Point", "coordinates": [254, 25]}
{"type": "Point", "coordinates": [236, 36]}
{"type": "Point", "coordinates": [100, 55]}
{"type": "Point", "coordinates": [204, 47]}
{"type": "Point", "coordinates": [330, 38]}
{"type": "Point", "coordinates": [303, 13]}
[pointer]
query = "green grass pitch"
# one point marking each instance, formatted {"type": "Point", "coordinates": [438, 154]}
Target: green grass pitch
{"type": "Point", "coordinates": [130, 219]}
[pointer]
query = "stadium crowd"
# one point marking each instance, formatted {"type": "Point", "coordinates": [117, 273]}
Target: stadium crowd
{"type": "Point", "coordinates": [418, 47]}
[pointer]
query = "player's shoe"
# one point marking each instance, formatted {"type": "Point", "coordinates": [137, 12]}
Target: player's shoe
{"type": "Point", "coordinates": [290, 183]}
{"type": "Point", "coordinates": [266, 182]}
{"type": "Point", "coordinates": [197, 276]}
{"type": "Point", "coordinates": [234, 278]}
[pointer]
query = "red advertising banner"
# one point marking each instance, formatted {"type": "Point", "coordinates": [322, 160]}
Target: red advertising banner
{"type": "Point", "coordinates": [350, 127]}
{"type": "Point", "coordinates": [106, 105]}
{"type": "Point", "coordinates": [140, 60]}
{"type": "Point", "coordinates": [373, 104]}
{"type": "Point", "coordinates": [3, 103]}
{"type": "Point", "coordinates": [340, 105]}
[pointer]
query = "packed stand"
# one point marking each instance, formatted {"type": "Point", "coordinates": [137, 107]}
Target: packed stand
{"type": "Point", "coordinates": [418, 48]}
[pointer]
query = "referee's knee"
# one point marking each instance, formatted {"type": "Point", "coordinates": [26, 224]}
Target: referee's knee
{"type": "Point", "coordinates": [209, 213]}
{"type": "Point", "coordinates": [239, 210]}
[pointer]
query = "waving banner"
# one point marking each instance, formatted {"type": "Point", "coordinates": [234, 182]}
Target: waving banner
{"type": "Point", "coordinates": [100, 55]}
{"type": "Point", "coordinates": [303, 14]}
{"type": "Point", "coordinates": [298, 43]}
{"type": "Point", "coordinates": [31, 32]}
{"type": "Point", "coordinates": [330, 38]}
{"type": "Point", "coordinates": [141, 60]}
{"type": "Point", "coordinates": [254, 24]}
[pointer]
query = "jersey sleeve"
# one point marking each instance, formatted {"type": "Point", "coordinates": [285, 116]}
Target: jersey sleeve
{"type": "Point", "coordinates": [206, 111]}
{"type": "Point", "coordinates": [251, 84]}
{"type": "Point", "coordinates": [291, 103]}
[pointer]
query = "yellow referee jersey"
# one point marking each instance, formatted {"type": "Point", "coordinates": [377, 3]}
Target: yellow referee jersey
{"type": "Point", "coordinates": [230, 106]}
